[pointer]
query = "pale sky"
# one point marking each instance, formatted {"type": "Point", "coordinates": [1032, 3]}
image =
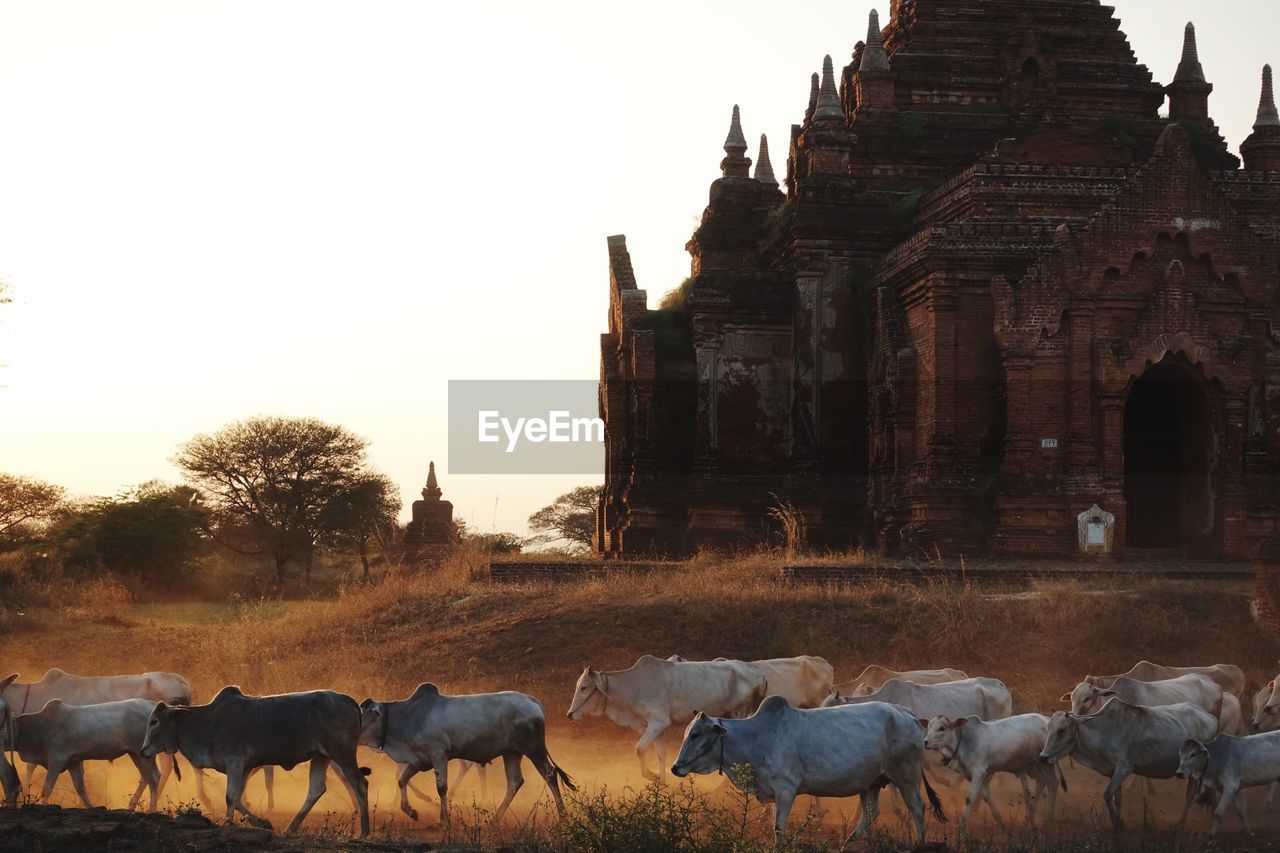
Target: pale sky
{"type": "Point", "coordinates": [210, 210]}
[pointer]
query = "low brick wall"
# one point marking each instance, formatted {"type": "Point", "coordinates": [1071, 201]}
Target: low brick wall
{"type": "Point", "coordinates": [1014, 571]}
{"type": "Point", "coordinates": [524, 571]}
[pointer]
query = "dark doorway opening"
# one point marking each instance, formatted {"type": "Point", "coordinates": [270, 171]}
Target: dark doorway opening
{"type": "Point", "coordinates": [1168, 450]}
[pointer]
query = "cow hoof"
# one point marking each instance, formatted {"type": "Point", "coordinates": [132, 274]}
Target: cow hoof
{"type": "Point", "coordinates": [412, 813]}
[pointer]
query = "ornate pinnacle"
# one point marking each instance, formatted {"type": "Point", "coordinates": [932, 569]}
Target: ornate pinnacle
{"type": "Point", "coordinates": [828, 97]}
{"type": "Point", "coordinates": [1189, 70]}
{"type": "Point", "coordinates": [764, 169]}
{"type": "Point", "coordinates": [1267, 115]}
{"type": "Point", "coordinates": [432, 491]}
{"type": "Point", "coordinates": [874, 57]}
{"type": "Point", "coordinates": [735, 145]}
{"type": "Point", "coordinates": [813, 96]}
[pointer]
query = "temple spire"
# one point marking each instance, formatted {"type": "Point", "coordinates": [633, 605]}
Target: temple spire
{"type": "Point", "coordinates": [874, 57]}
{"type": "Point", "coordinates": [1189, 69]}
{"type": "Point", "coordinates": [764, 169]}
{"type": "Point", "coordinates": [433, 488]}
{"type": "Point", "coordinates": [735, 143]}
{"type": "Point", "coordinates": [735, 163]}
{"type": "Point", "coordinates": [828, 97]}
{"type": "Point", "coordinates": [1267, 115]}
{"type": "Point", "coordinates": [814, 86]}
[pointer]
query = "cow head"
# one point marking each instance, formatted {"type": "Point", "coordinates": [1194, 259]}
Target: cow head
{"type": "Point", "coordinates": [834, 699]}
{"type": "Point", "coordinates": [1086, 698]}
{"type": "Point", "coordinates": [588, 695]}
{"type": "Point", "coordinates": [702, 750]}
{"type": "Point", "coordinates": [1193, 759]}
{"type": "Point", "coordinates": [373, 724]}
{"type": "Point", "coordinates": [1272, 703]}
{"type": "Point", "coordinates": [162, 730]}
{"type": "Point", "coordinates": [1061, 738]}
{"type": "Point", "coordinates": [1260, 700]}
{"type": "Point", "coordinates": [943, 735]}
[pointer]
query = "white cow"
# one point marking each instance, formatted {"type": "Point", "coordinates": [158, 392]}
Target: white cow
{"type": "Point", "coordinates": [655, 694]}
{"type": "Point", "coordinates": [1229, 678]}
{"type": "Point", "coordinates": [978, 749]}
{"type": "Point", "coordinates": [804, 680]}
{"type": "Point", "coordinates": [28, 697]}
{"type": "Point", "coordinates": [985, 698]}
{"type": "Point", "coordinates": [1122, 739]}
{"type": "Point", "coordinates": [1197, 690]}
{"type": "Point", "coordinates": [429, 729]}
{"type": "Point", "coordinates": [62, 737]}
{"type": "Point", "coordinates": [1228, 764]}
{"type": "Point", "coordinates": [8, 775]}
{"type": "Point", "coordinates": [874, 677]}
{"type": "Point", "coordinates": [826, 752]}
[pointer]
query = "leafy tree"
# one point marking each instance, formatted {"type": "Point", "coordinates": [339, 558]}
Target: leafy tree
{"type": "Point", "coordinates": [364, 513]}
{"type": "Point", "coordinates": [26, 505]}
{"type": "Point", "coordinates": [155, 533]}
{"type": "Point", "coordinates": [272, 482]}
{"type": "Point", "coordinates": [571, 518]}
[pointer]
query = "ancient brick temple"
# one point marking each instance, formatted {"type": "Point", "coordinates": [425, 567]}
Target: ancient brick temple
{"type": "Point", "coordinates": [998, 287]}
{"type": "Point", "coordinates": [430, 533]}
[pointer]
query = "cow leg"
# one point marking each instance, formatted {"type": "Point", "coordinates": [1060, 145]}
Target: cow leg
{"type": "Point", "coordinates": [441, 766]}
{"type": "Point", "coordinates": [1240, 810]}
{"type": "Point", "coordinates": [351, 791]}
{"type": "Point", "coordinates": [991, 804]}
{"type": "Point", "coordinates": [510, 763]}
{"type": "Point", "coordinates": [547, 769]}
{"type": "Point", "coordinates": [910, 792]}
{"type": "Point", "coordinates": [165, 762]}
{"type": "Point", "coordinates": [971, 798]}
{"type": "Point", "coordinates": [201, 794]}
{"type": "Point", "coordinates": [1224, 802]}
{"type": "Point", "coordinates": [51, 773]}
{"type": "Point", "coordinates": [783, 801]}
{"type": "Point", "coordinates": [870, 801]}
{"type": "Point", "coordinates": [406, 774]}
{"type": "Point", "coordinates": [651, 735]}
{"type": "Point", "coordinates": [1271, 795]}
{"type": "Point", "coordinates": [235, 792]}
{"type": "Point", "coordinates": [149, 775]}
{"type": "Point", "coordinates": [1111, 796]}
{"type": "Point", "coordinates": [355, 776]}
{"type": "Point", "coordinates": [76, 771]}
{"type": "Point", "coordinates": [315, 790]}
{"type": "Point", "coordinates": [1192, 789]}
{"type": "Point", "coordinates": [269, 779]}
{"type": "Point", "coordinates": [423, 795]}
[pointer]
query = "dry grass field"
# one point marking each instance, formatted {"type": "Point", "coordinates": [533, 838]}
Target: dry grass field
{"type": "Point", "coordinates": [462, 632]}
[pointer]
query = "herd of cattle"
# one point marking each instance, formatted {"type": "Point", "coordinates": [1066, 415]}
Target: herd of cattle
{"type": "Point", "coordinates": [784, 723]}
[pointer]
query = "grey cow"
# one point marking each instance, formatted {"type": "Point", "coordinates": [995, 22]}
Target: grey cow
{"type": "Point", "coordinates": [826, 752]}
{"type": "Point", "coordinates": [236, 733]}
{"type": "Point", "coordinates": [427, 730]}
{"type": "Point", "coordinates": [1227, 764]}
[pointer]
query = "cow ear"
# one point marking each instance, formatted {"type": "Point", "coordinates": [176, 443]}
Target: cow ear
{"type": "Point", "coordinates": [1106, 693]}
{"type": "Point", "coordinates": [8, 681]}
{"type": "Point", "coordinates": [959, 724]}
{"type": "Point", "coordinates": [719, 728]}
{"type": "Point", "coordinates": [924, 724]}
{"type": "Point", "coordinates": [1066, 697]}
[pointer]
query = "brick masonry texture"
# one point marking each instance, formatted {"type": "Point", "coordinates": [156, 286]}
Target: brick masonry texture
{"type": "Point", "coordinates": [996, 287]}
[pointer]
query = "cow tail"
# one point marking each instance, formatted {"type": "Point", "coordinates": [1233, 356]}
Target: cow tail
{"type": "Point", "coordinates": [934, 803]}
{"type": "Point", "coordinates": [558, 772]}
{"type": "Point", "coordinates": [1062, 777]}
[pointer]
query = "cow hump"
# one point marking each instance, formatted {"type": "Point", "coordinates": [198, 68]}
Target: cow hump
{"type": "Point", "coordinates": [425, 690]}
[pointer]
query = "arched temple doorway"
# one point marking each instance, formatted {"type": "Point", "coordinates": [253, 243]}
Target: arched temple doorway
{"type": "Point", "coordinates": [1168, 460]}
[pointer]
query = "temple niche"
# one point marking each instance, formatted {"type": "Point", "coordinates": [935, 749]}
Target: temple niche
{"type": "Point", "coordinates": [430, 534]}
{"type": "Point", "coordinates": [997, 288]}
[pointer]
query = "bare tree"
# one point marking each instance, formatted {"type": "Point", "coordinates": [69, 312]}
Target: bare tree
{"type": "Point", "coordinates": [271, 480]}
